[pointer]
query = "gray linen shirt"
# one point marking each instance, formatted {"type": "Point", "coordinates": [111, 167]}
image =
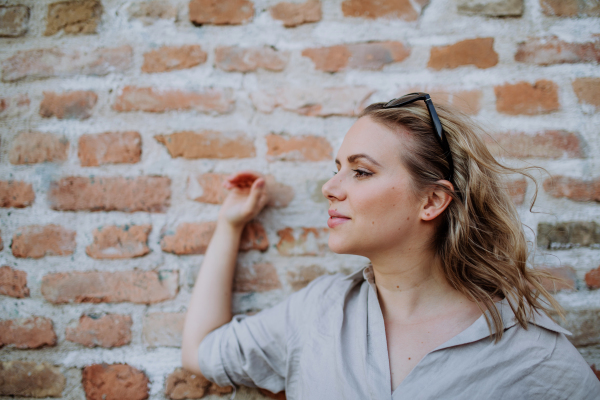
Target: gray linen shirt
{"type": "Point", "coordinates": [327, 341]}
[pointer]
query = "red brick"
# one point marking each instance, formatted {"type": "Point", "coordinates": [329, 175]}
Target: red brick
{"type": "Point", "coordinates": [303, 148]}
{"type": "Point", "coordinates": [37, 147]}
{"type": "Point", "coordinates": [37, 241]}
{"type": "Point", "coordinates": [271, 395]}
{"type": "Point", "coordinates": [182, 384]}
{"type": "Point", "coordinates": [222, 12]}
{"type": "Point", "coordinates": [114, 382]}
{"type": "Point", "coordinates": [587, 91]}
{"type": "Point", "coordinates": [69, 105]}
{"type": "Point", "coordinates": [13, 20]}
{"type": "Point", "coordinates": [27, 333]}
{"type": "Point", "coordinates": [516, 190]}
{"type": "Point", "coordinates": [144, 193]}
{"type": "Point", "coordinates": [208, 144]}
{"type": "Point", "coordinates": [73, 17]}
{"type": "Point", "coordinates": [13, 282]}
{"type": "Point", "coordinates": [303, 241]}
{"type": "Point", "coordinates": [193, 238]}
{"type": "Point", "coordinates": [524, 98]}
{"type": "Point", "coordinates": [118, 242]}
{"type": "Point", "coordinates": [491, 8]}
{"type": "Point", "coordinates": [596, 372]}
{"type": "Point", "coordinates": [1, 242]}
{"type": "Point", "coordinates": [371, 9]}
{"type": "Point", "coordinates": [261, 277]}
{"type": "Point", "coordinates": [158, 101]}
{"type": "Point", "coordinates": [142, 287]}
{"type": "Point", "coordinates": [573, 189]}
{"type": "Point", "coordinates": [293, 14]}
{"type": "Point", "coordinates": [301, 277]}
{"type": "Point", "coordinates": [246, 59]}
{"type": "Point", "coordinates": [16, 194]}
{"type": "Point", "coordinates": [109, 148]}
{"type": "Point", "coordinates": [153, 10]}
{"type": "Point", "coordinates": [592, 278]}
{"type": "Point", "coordinates": [31, 379]}
{"type": "Point", "coordinates": [551, 50]}
{"type": "Point", "coordinates": [111, 330]}
{"type": "Point", "coordinates": [208, 188]}
{"type": "Point", "coordinates": [54, 62]}
{"type": "Point", "coordinates": [478, 52]}
{"type": "Point", "coordinates": [170, 58]}
{"type": "Point", "coordinates": [566, 274]}
{"type": "Point", "coordinates": [14, 106]}
{"type": "Point", "coordinates": [314, 101]}
{"type": "Point", "coordinates": [372, 56]}
{"type": "Point", "coordinates": [570, 8]}
{"type": "Point", "coordinates": [163, 329]}
{"type": "Point", "coordinates": [547, 145]}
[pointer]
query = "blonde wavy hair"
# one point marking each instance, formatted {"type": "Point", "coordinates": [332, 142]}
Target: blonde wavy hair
{"type": "Point", "coordinates": [480, 238]}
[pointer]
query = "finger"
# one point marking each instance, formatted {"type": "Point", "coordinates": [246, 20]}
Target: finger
{"type": "Point", "coordinates": [244, 177]}
{"type": "Point", "coordinates": [256, 191]}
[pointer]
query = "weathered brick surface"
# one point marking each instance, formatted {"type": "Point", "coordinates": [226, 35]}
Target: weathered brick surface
{"type": "Point", "coordinates": [547, 145]}
{"type": "Point", "coordinates": [303, 241]}
{"type": "Point", "coordinates": [524, 98]}
{"type": "Point", "coordinates": [182, 384]}
{"type": "Point", "coordinates": [31, 379]}
{"type": "Point", "coordinates": [158, 101]}
{"type": "Point", "coordinates": [13, 20]}
{"type": "Point", "coordinates": [193, 238]}
{"type": "Point", "coordinates": [208, 144]}
{"type": "Point", "coordinates": [224, 12]}
{"type": "Point", "coordinates": [37, 241]}
{"type": "Point", "coordinates": [570, 8]}
{"type": "Point", "coordinates": [113, 382]}
{"type": "Point", "coordinates": [370, 56]}
{"type": "Point", "coordinates": [142, 287]}
{"type": "Point", "coordinates": [261, 277]}
{"type": "Point", "coordinates": [163, 329]}
{"type": "Point", "coordinates": [294, 14]}
{"type": "Point", "coordinates": [303, 148]}
{"type": "Point", "coordinates": [491, 8]}
{"type": "Point", "coordinates": [111, 330]}
{"type": "Point", "coordinates": [109, 148]}
{"type": "Point", "coordinates": [13, 282]}
{"type": "Point", "coordinates": [568, 234]}
{"type": "Point", "coordinates": [551, 50]}
{"type": "Point", "coordinates": [478, 52]}
{"type": "Point", "coordinates": [467, 101]}
{"type": "Point", "coordinates": [566, 275]}
{"type": "Point", "coordinates": [144, 193]}
{"type": "Point", "coordinates": [246, 59]}
{"type": "Point", "coordinates": [584, 324]}
{"type": "Point", "coordinates": [37, 147]}
{"type": "Point", "coordinates": [73, 17]}
{"type": "Point", "coordinates": [271, 395]}
{"type": "Point", "coordinates": [54, 62]}
{"type": "Point", "coordinates": [320, 102]}
{"type": "Point", "coordinates": [371, 9]}
{"type": "Point", "coordinates": [572, 188]}
{"type": "Point", "coordinates": [16, 194]}
{"type": "Point", "coordinates": [14, 106]}
{"type": "Point", "coordinates": [587, 91]}
{"type": "Point", "coordinates": [170, 58]}
{"type": "Point", "coordinates": [517, 189]}
{"type": "Point", "coordinates": [302, 276]}
{"type": "Point", "coordinates": [118, 242]}
{"type": "Point", "coordinates": [153, 10]}
{"type": "Point", "coordinates": [27, 333]}
{"type": "Point", "coordinates": [69, 105]}
{"type": "Point", "coordinates": [592, 278]}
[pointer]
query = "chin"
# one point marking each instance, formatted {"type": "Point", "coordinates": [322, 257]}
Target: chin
{"type": "Point", "coordinates": [340, 246]}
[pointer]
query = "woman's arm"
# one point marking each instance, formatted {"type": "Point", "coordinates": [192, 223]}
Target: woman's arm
{"type": "Point", "coordinates": [210, 305]}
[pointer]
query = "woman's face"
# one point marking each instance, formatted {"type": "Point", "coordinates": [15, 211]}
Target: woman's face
{"type": "Point", "coordinates": [371, 206]}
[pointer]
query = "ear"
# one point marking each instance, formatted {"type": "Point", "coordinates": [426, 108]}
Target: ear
{"type": "Point", "coordinates": [436, 202]}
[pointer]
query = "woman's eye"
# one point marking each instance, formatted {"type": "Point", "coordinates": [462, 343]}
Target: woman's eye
{"type": "Point", "coordinates": [361, 174]}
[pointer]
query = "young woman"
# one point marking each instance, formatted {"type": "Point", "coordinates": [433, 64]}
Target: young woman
{"type": "Point", "coordinates": [447, 308]}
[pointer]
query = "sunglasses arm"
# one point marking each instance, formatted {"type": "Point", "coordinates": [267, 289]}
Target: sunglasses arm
{"type": "Point", "coordinates": [434, 118]}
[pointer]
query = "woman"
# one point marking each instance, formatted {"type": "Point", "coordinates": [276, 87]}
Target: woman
{"type": "Point", "coordinates": [447, 307]}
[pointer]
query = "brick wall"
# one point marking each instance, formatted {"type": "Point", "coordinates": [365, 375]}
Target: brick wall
{"type": "Point", "coordinates": [119, 119]}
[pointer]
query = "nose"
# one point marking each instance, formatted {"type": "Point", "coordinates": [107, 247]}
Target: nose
{"type": "Point", "coordinates": [333, 190]}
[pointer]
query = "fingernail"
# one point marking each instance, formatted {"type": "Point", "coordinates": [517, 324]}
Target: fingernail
{"type": "Point", "coordinates": [260, 183]}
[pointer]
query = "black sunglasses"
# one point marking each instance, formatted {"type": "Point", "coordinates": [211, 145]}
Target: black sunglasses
{"type": "Point", "coordinates": [440, 135]}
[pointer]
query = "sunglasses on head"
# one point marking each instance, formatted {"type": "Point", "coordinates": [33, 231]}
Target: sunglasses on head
{"type": "Point", "coordinates": [439, 132]}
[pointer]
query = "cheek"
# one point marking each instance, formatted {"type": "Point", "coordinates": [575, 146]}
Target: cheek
{"type": "Point", "coordinates": [384, 209]}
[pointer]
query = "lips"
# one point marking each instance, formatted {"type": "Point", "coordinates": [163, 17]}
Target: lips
{"type": "Point", "coordinates": [335, 219]}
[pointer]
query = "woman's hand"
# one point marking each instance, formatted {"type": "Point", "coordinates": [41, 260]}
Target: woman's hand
{"type": "Point", "coordinates": [247, 196]}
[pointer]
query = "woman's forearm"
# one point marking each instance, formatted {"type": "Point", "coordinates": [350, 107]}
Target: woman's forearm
{"type": "Point", "coordinates": [210, 304]}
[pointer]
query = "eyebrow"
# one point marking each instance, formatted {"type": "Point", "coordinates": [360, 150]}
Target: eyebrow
{"type": "Point", "coordinates": [355, 157]}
